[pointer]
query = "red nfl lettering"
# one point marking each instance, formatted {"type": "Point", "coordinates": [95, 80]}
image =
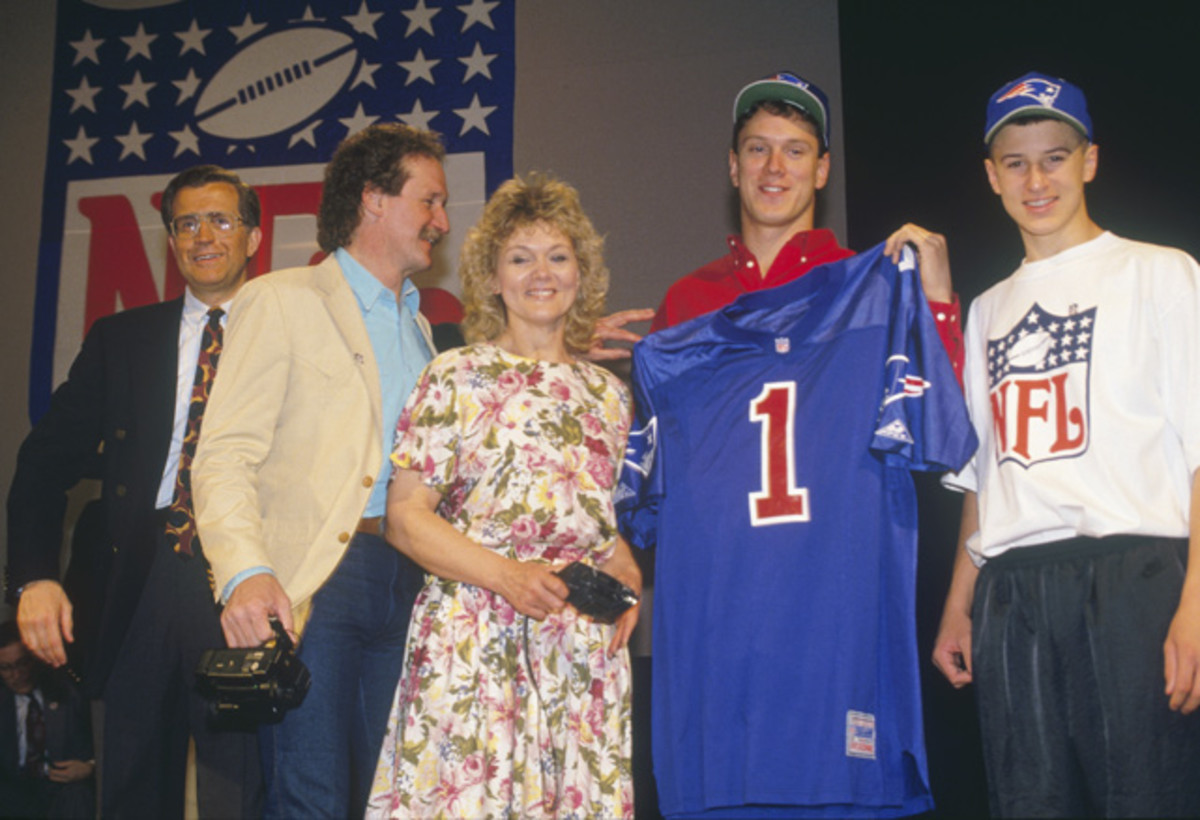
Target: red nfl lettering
{"type": "Point", "coordinates": [286, 199]}
{"type": "Point", "coordinates": [1065, 416]}
{"type": "Point", "coordinates": [1000, 416]}
{"type": "Point", "coordinates": [117, 263]}
{"type": "Point", "coordinates": [1028, 412]}
{"type": "Point", "coordinates": [1039, 417]}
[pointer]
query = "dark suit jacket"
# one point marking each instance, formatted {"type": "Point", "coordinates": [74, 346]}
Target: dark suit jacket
{"type": "Point", "coordinates": [112, 418]}
{"type": "Point", "coordinates": [68, 737]}
{"type": "Point", "coordinates": [68, 727]}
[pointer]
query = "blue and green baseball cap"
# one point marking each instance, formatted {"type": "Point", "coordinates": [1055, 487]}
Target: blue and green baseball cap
{"type": "Point", "coordinates": [791, 89]}
{"type": "Point", "coordinates": [1037, 93]}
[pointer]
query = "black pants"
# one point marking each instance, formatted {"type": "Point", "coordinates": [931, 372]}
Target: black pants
{"type": "Point", "coordinates": [151, 707]}
{"type": "Point", "coordinates": [1068, 665]}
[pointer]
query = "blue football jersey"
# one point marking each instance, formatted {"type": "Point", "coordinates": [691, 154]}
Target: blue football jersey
{"type": "Point", "coordinates": [770, 467]}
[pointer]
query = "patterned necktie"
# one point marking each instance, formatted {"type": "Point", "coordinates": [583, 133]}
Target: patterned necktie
{"type": "Point", "coordinates": [35, 738]}
{"type": "Point", "coordinates": [181, 521]}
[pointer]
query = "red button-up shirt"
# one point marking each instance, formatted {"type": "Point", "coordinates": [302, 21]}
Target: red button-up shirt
{"type": "Point", "coordinates": [720, 282]}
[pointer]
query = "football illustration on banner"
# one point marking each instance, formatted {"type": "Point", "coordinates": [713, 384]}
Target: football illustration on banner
{"type": "Point", "coordinates": [276, 82]}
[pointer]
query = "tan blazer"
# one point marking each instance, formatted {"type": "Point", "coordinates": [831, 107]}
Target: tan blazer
{"type": "Point", "coordinates": [290, 444]}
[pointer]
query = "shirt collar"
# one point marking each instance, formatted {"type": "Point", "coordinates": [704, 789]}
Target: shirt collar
{"type": "Point", "coordinates": [33, 694]}
{"type": "Point", "coordinates": [812, 242]}
{"type": "Point", "coordinates": [369, 290]}
{"type": "Point", "coordinates": [195, 312]}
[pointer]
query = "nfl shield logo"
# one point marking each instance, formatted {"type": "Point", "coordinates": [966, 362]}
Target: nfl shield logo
{"type": "Point", "coordinates": [1038, 377]}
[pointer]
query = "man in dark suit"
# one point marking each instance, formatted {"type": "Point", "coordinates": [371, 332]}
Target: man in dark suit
{"type": "Point", "coordinates": [46, 763]}
{"type": "Point", "coordinates": [123, 414]}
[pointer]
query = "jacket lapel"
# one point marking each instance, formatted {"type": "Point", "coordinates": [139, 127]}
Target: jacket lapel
{"type": "Point", "coordinates": [156, 354]}
{"type": "Point", "coordinates": [347, 317]}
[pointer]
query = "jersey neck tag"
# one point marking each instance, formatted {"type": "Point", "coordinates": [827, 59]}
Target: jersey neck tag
{"type": "Point", "coordinates": [782, 344]}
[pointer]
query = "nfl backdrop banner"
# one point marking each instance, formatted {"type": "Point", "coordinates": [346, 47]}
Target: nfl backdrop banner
{"type": "Point", "coordinates": [268, 88]}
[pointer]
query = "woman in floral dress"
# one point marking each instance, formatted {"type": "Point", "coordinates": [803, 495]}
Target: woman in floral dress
{"type": "Point", "coordinates": [512, 704]}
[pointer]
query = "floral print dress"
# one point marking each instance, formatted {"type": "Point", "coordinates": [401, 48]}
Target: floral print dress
{"type": "Point", "coordinates": [496, 714]}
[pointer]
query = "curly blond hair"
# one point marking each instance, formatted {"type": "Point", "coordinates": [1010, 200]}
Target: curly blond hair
{"type": "Point", "coordinates": [520, 203]}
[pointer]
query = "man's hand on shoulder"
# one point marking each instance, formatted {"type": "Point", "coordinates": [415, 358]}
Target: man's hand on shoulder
{"type": "Point", "coordinates": [44, 616]}
{"type": "Point", "coordinates": [611, 328]}
{"type": "Point", "coordinates": [932, 255]}
{"type": "Point", "coordinates": [250, 605]}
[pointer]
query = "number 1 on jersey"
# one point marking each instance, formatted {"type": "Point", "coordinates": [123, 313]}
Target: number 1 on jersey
{"type": "Point", "coordinates": [779, 501]}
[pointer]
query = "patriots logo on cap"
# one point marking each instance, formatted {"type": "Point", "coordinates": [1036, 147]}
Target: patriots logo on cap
{"type": "Point", "coordinates": [785, 77]}
{"type": "Point", "coordinates": [1044, 91]}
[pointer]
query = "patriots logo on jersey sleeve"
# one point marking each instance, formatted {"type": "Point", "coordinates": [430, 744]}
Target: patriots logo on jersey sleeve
{"type": "Point", "coordinates": [639, 451]}
{"type": "Point", "coordinates": [623, 494]}
{"type": "Point", "coordinates": [902, 384]}
{"type": "Point", "coordinates": [895, 430]}
{"type": "Point", "coordinates": [1038, 377]}
{"type": "Point", "coordinates": [635, 496]}
{"type": "Point", "coordinates": [1044, 91]}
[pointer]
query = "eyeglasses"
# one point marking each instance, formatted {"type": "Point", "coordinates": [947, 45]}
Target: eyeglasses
{"type": "Point", "coordinates": [222, 224]}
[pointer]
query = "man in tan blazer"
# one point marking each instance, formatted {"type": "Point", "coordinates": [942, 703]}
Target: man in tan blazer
{"type": "Point", "coordinates": [290, 478]}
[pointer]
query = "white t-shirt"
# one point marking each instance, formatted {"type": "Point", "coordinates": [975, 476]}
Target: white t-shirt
{"type": "Point", "coordinates": [1083, 382]}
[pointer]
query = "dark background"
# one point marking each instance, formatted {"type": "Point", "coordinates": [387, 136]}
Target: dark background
{"type": "Point", "coordinates": [915, 84]}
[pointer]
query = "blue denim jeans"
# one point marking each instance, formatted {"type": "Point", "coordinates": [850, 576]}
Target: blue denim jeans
{"type": "Point", "coordinates": [319, 761]}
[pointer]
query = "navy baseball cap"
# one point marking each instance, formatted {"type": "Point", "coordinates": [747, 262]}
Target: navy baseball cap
{"type": "Point", "coordinates": [1038, 94]}
{"type": "Point", "coordinates": [791, 89]}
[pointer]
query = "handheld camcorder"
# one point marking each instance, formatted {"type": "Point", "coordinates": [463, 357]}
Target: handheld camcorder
{"type": "Point", "coordinates": [253, 685]}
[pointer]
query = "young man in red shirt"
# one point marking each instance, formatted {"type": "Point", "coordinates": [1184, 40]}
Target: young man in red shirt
{"type": "Point", "coordinates": [778, 161]}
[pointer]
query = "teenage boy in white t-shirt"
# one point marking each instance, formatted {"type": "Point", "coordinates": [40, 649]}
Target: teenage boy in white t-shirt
{"type": "Point", "coordinates": [1072, 597]}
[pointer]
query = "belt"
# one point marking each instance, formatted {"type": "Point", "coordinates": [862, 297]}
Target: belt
{"type": "Point", "coordinates": [371, 526]}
